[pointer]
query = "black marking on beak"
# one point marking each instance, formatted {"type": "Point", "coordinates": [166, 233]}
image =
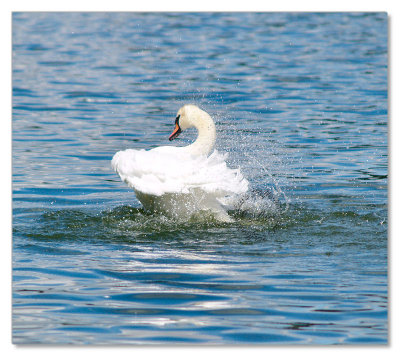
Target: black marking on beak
{"type": "Point", "coordinates": [177, 129]}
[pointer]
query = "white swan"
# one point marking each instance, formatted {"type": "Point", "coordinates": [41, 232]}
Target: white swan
{"type": "Point", "coordinates": [179, 181]}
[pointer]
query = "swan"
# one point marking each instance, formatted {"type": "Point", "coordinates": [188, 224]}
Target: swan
{"type": "Point", "coordinates": [180, 181]}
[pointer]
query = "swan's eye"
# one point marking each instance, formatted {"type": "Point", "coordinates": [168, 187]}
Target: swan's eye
{"type": "Point", "coordinates": [177, 119]}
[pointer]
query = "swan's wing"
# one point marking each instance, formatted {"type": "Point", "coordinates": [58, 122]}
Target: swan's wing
{"type": "Point", "coordinates": [170, 170]}
{"type": "Point", "coordinates": [146, 171]}
{"type": "Point", "coordinates": [214, 176]}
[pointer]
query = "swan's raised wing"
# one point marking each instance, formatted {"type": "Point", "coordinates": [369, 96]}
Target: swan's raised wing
{"type": "Point", "coordinates": [171, 170]}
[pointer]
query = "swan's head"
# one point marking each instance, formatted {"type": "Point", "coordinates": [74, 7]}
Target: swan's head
{"type": "Point", "coordinates": [188, 116]}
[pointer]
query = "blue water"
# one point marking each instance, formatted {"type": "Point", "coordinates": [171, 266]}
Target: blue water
{"type": "Point", "coordinates": [300, 104]}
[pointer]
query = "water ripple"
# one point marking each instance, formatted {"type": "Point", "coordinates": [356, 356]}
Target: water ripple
{"type": "Point", "coordinates": [300, 104]}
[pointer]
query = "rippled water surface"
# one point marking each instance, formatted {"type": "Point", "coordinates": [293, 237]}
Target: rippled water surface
{"type": "Point", "coordinates": [300, 103]}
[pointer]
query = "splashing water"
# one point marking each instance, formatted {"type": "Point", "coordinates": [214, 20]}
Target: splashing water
{"type": "Point", "coordinates": [261, 160]}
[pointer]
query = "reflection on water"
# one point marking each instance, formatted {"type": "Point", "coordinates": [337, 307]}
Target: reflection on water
{"type": "Point", "coordinates": [300, 102]}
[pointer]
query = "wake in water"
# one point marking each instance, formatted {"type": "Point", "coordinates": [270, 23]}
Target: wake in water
{"type": "Point", "coordinates": [127, 224]}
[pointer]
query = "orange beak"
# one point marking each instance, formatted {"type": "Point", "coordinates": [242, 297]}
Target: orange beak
{"type": "Point", "coordinates": [176, 131]}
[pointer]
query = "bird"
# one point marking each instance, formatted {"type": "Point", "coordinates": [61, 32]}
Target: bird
{"type": "Point", "coordinates": [180, 181]}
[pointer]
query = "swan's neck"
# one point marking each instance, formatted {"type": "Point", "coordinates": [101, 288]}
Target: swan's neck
{"type": "Point", "coordinates": [206, 136]}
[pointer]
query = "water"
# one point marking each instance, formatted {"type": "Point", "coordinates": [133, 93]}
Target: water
{"type": "Point", "coordinates": [300, 102]}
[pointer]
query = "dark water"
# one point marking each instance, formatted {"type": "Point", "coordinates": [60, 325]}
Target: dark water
{"type": "Point", "coordinates": [300, 102]}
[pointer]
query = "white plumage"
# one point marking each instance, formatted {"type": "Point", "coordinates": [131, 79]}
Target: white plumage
{"type": "Point", "coordinates": [180, 181]}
